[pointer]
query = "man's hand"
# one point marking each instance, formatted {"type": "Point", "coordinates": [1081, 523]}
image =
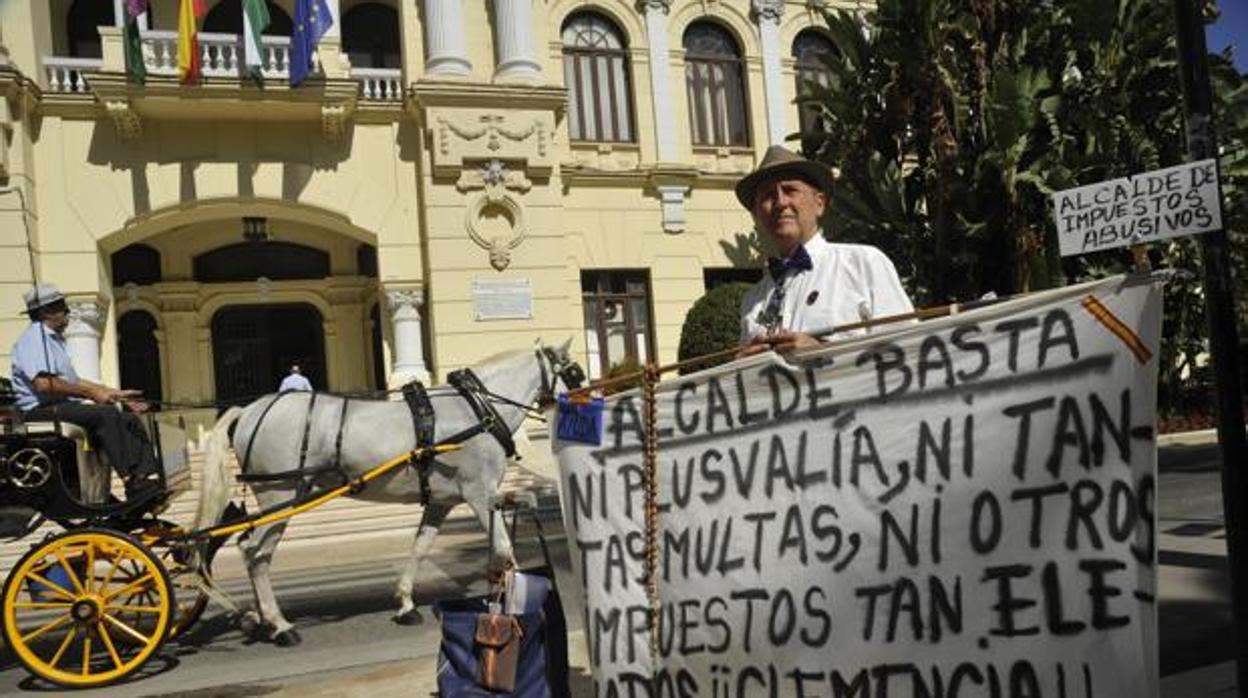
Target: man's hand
{"type": "Point", "coordinates": [782, 342]}
{"type": "Point", "coordinates": [103, 395]}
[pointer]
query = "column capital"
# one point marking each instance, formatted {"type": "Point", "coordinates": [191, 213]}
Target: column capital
{"type": "Point", "coordinates": [663, 6]}
{"type": "Point", "coordinates": [767, 10]}
{"type": "Point", "coordinates": [87, 315]}
{"type": "Point", "coordinates": [404, 299]}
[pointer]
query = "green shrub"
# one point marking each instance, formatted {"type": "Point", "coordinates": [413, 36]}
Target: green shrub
{"type": "Point", "coordinates": [712, 325]}
{"type": "Point", "coordinates": [628, 370]}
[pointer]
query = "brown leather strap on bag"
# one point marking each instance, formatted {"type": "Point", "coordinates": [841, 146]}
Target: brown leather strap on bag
{"type": "Point", "coordinates": [498, 651]}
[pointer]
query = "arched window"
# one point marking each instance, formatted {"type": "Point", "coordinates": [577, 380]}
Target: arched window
{"type": "Point", "coordinates": [370, 36]}
{"type": "Point", "coordinates": [248, 261]}
{"type": "Point", "coordinates": [138, 354]}
{"type": "Point", "coordinates": [595, 70]}
{"type": "Point", "coordinates": [136, 264]}
{"type": "Point", "coordinates": [715, 81]}
{"type": "Point", "coordinates": [82, 27]}
{"type": "Point", "coordinates": [808, 48]}
{"type": "Point", "coordinates": [226, 17]}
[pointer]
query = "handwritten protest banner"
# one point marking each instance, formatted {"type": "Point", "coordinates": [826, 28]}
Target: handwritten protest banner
{"type": "Point", "coordinates": [958, 508]}
{"type": "Point", "coordinates": [1146, 207]}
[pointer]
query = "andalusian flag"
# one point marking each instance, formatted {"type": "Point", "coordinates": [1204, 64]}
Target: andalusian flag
{"type": "Point", "coordinates": [189, 14]}
{"type": "Point", "coordinates": [135, 66]}
{"type": "Point", "coordinates": [255, 21]}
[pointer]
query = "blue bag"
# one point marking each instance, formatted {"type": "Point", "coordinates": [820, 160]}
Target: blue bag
{"type": "Point", "coordinates": [542, 667]}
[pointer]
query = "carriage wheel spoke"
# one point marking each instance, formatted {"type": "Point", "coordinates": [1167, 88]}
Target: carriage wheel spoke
{"type": "Point", "coordinates": [26, 639]}
{"type": "Point", "coordinates": [69, 571]}
{"type": "Point", "coordinates": [108, 643]}
{"type": "Point", "coordinates": [132, 585]}
{"type": "Point", "coordinates": [51, 586]}
{"type": "Point", "coordinates": [42, 604]}
{"type": "Point", "coordinates": [86, 653]}
{"type": "Point", "coordinates": [60, 652]}
{"type": "Point", "coordinates": [127, 629]}
{"type": "Point", "coordinates": [133, 609]}
{"type": "Point", "coordinates": [108, 578]}
{"type": "Point", "coordinates": [90, 552]}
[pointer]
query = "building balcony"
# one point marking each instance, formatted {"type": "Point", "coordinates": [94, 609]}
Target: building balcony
{"type": "Point", "coordinates": [335, 93]}
{"type": "Point", "coordinates": [221, 58]}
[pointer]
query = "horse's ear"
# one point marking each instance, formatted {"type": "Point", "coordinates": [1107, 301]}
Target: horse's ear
{"type": "Point", "coordinates": [537, 343]}
{"type": "Point", "coordinates": [566, 346]}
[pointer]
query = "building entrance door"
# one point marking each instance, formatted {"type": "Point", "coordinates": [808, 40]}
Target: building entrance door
{"type": "Point", "coordinates": [254, 346]}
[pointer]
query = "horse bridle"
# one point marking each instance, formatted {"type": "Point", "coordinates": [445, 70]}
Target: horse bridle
{"type": "Point", "coordinates": [562, 368]}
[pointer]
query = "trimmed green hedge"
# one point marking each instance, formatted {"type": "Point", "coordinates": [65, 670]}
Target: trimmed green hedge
{"type": "Point", "coordinates": [713, 324]}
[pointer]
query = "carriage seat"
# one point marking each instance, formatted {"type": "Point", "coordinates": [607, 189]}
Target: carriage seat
{"type": "Point", "coordinates": [93, 467]}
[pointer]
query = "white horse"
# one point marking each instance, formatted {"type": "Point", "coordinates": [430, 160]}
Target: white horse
{"type": "Point", "coordinates": [275, 430]}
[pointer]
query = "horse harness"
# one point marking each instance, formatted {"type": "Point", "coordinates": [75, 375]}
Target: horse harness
{"type": "Point", "coordinates": [304, 475]}
{"type": "Point", "coordinates": [474, 392]}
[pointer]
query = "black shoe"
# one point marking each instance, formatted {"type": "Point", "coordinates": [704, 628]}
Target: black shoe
{"type": "Point", "coordinates": [142, 489]}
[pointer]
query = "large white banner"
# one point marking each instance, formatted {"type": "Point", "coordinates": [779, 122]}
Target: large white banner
{"type": "Point", "coordinates": [952, 509]}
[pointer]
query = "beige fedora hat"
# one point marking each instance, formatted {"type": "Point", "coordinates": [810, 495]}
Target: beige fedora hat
{"type": "Point", "coordinates": [779, 161]}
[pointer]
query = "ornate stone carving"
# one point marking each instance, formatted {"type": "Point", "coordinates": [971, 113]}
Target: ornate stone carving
{"type": "Point", "coordinates": [129, 125]}
{"type": "Point", "coordinates": [333, 121]}
{"type": "Point", "coordinates": [402, 302]}
{"type": "Point", "coordinates": [264, 287]}
{"type": "Point", "coordinates": [492, 128]}
{"type": "Point", "coordinates": [493, 173]}
{"type": "Point", "coordinates": [86, 317]}
{"type": "Point", "coordinates": [663, 6]}
{"type": "Point", "coordinates": [769, 10]}
{"type": "Point", "coordinates": [495, 198]}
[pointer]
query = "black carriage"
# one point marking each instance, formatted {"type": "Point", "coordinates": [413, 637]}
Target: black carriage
{"type": "Point", "coordinates": [88, 605]}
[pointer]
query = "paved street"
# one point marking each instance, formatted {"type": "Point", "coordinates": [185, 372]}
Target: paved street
{"type": "Point", "coordinates": [351, 647]}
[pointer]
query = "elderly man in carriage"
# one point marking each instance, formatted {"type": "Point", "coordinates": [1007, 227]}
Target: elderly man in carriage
{"type": "Point", "coordinates": [47, 389]}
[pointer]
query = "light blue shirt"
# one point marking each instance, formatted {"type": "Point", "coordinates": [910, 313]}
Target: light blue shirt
{"type": "Point", "coordinates": [31, 356]}
{"type": "Point", "coordinates": [294, 381]}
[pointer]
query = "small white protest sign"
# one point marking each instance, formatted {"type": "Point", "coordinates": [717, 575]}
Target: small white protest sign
{"type": "Point", "coordinates": [1150, 206]}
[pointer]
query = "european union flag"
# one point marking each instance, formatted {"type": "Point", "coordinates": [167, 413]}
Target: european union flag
{"type": "Point", "coordinates": [312, 20]}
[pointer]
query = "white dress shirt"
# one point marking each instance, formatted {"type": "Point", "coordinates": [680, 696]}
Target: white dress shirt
{"type": "Point", "coordinates": [847, 284]}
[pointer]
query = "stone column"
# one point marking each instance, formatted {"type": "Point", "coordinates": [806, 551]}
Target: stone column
{"type": "Point", "coordinates": [405, 321]}
{"type": "Point", "coordinates": [82, 336]}
{"type": "Point", "coordinates": [768, 13]}
{"type": "Point", "coordinates": [446, 51]}
{"type": "Point", "coordinates": [334, 33]}
{"type": "Point", "coordinates": [671, 196]}
{"type": "Point", "coordinates": [513, 20]}
{"type": "Point", "coordinates": [661, 79]}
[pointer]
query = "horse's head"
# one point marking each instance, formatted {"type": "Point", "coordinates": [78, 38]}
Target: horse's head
{"type": "Point", "coordinates": [559, 371]}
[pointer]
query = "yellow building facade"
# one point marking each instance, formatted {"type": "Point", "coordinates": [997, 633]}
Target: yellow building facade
{"type": "Point", "coordinates": [454, 179]}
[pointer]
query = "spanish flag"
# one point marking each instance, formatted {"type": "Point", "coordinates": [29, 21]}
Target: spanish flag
{"type": "Point", "coordinates": [189, 14]}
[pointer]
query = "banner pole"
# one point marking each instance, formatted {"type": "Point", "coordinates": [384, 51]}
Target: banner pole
{"type": "Point", "coordinates": [1223, 332]}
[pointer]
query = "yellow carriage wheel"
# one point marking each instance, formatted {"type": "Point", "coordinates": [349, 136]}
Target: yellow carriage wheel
{"type": "Point", "coordinates": [87, 608]}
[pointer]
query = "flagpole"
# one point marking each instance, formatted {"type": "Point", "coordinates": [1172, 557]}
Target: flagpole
{"type": "Point", "coordinates": [1223, 331]}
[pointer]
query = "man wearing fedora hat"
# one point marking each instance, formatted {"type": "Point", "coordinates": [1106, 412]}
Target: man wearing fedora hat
{"type": "Point", "coordinates": [48, 389]}
{"type": "Point", "coordinates": [811, 284]}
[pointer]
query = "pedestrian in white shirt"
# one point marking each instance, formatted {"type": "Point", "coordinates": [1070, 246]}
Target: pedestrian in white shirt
{"type": "Point", "coordinates": [811, 284]}
{"type": "Point", "coordinates": [295, 380]}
